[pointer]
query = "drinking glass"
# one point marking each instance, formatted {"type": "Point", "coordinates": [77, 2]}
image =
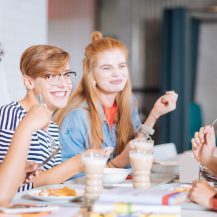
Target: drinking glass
{"type": "Point", "coordinates": [142, 144]}
{"type": "Point", "coordinates": [141, 163]}
{"type": "Point", "coordinates": [94, 164]}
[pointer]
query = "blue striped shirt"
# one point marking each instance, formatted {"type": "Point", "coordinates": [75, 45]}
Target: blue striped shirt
{"type": "Point", "coordinates": [10, 117]}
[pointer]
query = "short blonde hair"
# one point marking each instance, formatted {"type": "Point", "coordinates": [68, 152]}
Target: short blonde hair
{"type": "Point", "coordinates": [38, 59]}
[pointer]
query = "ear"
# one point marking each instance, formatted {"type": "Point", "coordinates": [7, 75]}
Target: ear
{"type": "Point", "coordinates": [29, 84]}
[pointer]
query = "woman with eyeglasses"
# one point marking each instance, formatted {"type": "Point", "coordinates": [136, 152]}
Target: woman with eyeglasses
{"type": "Point", "coordinates": [103, 106]}
{"type": "Point", "coordinates": [47, 76]}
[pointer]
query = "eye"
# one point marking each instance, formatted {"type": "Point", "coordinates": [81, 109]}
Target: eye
{"type": "Point", "coordinates": [106, 68]}
{"type": "Point", "coordinates": [67, 74]}
{"type": "Point", "coordinates": [122, 66]}
{"type": "Point", "coordinates": [51, 76]}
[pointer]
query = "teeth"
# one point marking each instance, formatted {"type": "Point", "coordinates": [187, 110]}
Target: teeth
{"type": "Point", "coordinates": [59, 93]}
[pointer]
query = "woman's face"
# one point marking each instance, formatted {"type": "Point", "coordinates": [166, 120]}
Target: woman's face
{"type": "Point", "coordinates": [56, 94]}
{"type": "Point", "coordinates": [111, 71]}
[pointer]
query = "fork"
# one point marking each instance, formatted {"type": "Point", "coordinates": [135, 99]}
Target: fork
{"type": "Point", "coordinates": [213, 123]}
{"type": "Point", "coordinates": [54, 147]}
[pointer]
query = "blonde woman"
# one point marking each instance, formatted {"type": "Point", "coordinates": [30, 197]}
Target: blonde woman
{"type": "Point", "coordinates": [102, 111]}
{"type": "Point", "coordinates": [46, 73]}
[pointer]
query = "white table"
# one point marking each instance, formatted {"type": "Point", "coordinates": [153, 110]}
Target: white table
{"type": "Point", "coordinates": [188, 209]}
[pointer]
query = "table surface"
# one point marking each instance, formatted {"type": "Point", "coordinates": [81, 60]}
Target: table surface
{"type": "Point", "coordinates": [188, 209]}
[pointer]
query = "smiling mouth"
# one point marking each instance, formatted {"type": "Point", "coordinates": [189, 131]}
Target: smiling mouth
{"type": "Point", "coordinates": [59, 93]}
{"type": "Point", "coordinates": [116, 81]}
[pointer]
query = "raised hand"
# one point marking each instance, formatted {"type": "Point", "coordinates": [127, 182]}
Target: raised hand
{"type": "Point", "coordinates": [165, 104]}
{"type": "Point", "coordinates": [37, 117]}
{"type": "Point", "coordinates": [203, 144]}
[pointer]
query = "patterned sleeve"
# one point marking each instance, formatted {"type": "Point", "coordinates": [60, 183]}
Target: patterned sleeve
{"type": "Point", "coordinates": [10, 117]}
{"type": "Point", "coordinates": [9, 120]}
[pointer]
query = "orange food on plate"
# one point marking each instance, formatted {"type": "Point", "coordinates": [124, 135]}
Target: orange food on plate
{"type": "Point", "coordinates": [184, 188]}
{"type": "Point", "coordinates": [60, 192]}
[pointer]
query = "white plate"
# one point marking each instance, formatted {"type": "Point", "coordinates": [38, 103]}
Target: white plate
{"type": "Point", "coordinates": [34, 193]}
{"type": "Point", "coordinates": [168, 167]}
{"type": "Point", "coordinates": [156, 179]}
{"type": "Point", "coordinates": [14, 210]}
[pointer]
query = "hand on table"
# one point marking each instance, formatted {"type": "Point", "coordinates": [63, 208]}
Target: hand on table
{"type": "Point", "coordinates": [202, 193]}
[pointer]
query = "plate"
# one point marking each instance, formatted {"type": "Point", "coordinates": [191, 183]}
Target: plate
{"type": "Point", "coordinates": [34, 209]}
{"type": "Point", "coordinates": [34, 193]}
{"type": "Point", "coordinates": [168, 167]}
{"type": "Point", "coordinates": [156, 179]}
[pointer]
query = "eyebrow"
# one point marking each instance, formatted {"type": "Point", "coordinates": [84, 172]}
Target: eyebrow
{"type": "Point", "coordinates": [67, 70]}
{"type": "Point", "coordinates": [109, 65]}
{"type": "Point", "coordinates": [122, 63]}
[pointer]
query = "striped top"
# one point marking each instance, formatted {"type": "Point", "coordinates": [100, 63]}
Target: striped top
{"type": "Point", "coordinates": [10, 117]}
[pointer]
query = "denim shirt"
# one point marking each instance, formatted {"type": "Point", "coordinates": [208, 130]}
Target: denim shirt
{"type": "Point", "coordinates": [75, 129]}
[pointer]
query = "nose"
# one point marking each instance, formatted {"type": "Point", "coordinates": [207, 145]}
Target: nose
{"type": "Point", "coordinates": [61, 82]}
{"type": "Point", "coordinates": [115, 72]}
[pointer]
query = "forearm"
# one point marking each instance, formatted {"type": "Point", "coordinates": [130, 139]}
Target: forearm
{"type": "Point", "coordinates": [13, 167]}
{"type": "Point", "coordinates": [151, 120]}
{"type": "Point", "coordinates": [212, 164]}
{"type": "Point", "coordinates": [119, 161]}
{"type": "Point", "coordinates": [60, 173]}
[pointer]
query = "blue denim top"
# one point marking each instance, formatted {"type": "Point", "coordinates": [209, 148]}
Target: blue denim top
{"type": "Point", "coordinates": [75, 129]}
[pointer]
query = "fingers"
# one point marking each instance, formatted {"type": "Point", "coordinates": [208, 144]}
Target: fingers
{"type": "Point", "coordinates": [31, 166]}
{"type": "Point", "coordinates": [196, 138]}
{"type": "Point", "coordinates": [196, 184]}
{"type": "Point", "coordinates": [210, 136]}
{"type": "Point", "coordinates": [172, 94]}
{"type": "Point", "coordinates": [201, 135]}
{"type": "Point", "coordinates": [194, 144]}
{"type": "Point", "coordinates": [206, 135]}
{"type": "Point", "coordinates": [169, 99]}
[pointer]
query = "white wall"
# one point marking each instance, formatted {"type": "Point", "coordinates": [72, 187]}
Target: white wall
{"type": "Point", "coordinates": [71, 23]}
{"type": "Point", "coordinates": [206, 87]}
{"type": "Point", "coordinates": [22, 23]}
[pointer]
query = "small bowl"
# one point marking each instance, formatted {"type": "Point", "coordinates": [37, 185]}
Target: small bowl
{"type": "Point", "coordinates": [115, 175]}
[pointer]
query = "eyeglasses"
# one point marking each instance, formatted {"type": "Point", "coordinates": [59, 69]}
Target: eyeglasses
{"type": "Point", "coordinates": [53, 79]}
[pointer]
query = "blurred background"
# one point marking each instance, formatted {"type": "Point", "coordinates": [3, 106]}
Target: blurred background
{"type": "Point", "coordinates": [172, 46]}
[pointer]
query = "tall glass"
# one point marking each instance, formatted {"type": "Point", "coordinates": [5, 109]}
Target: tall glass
{"type": "Point", "coordinates": [142, 144]}
{"type": "Point", "coordinates": [141, 163]}
{"type": "Point", "coordinates": [94, 164]}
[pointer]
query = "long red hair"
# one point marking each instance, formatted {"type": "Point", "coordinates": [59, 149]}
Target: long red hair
{"type": "Point", "coordinates": [87, 91]}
